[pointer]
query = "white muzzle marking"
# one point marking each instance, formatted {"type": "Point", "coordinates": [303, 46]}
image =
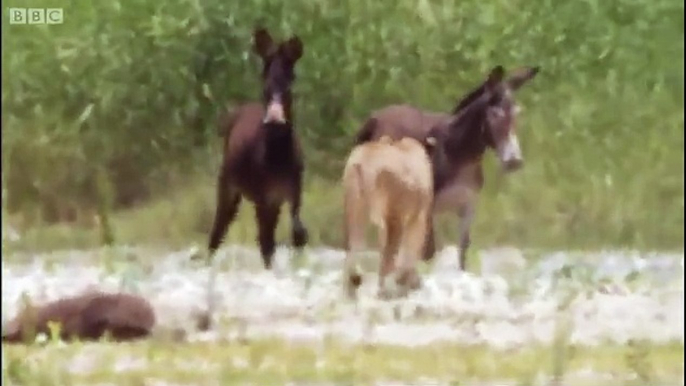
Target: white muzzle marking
{"type": "Point", "coordinates": [509, 151]}
{"type": "Point", "coordinates": [275, 112]}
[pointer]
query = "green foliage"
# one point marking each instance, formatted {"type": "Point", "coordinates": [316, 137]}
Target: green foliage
{"type": "Point", "coordinates": [134, 87]}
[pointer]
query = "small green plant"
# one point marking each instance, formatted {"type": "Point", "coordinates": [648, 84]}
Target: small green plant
{"type": "Point", "coordinates": [104, 206]}
{"type": "Point", "coordinates": [28, 319]}
{"type": "Point", "coordinates": [560, 348]}
{"type": "Point", "coordinates": [108, 260]}
{"type": "Point", "coordinates": [51, 264]}
{"type": "Point", "coordinates": [55, 331]}
{"type": "Point", "coordinates": [638, 361]}
{"type": "Point", "coordinates": [130, 277]}
{"type": "Point", "coordinates": [17, 371]}
{"type": "Point", "coordinates": [106, 337]}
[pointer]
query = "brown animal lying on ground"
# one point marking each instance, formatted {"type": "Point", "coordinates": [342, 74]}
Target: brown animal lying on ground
{"type": "Point", "coordinates": [87, 317]}
{"type": "Point", "coordinates": [390, 183]}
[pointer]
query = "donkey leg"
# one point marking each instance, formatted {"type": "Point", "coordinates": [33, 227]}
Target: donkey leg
{"type": "Point", "coordinates": [354, 243]}
{"type": "Point", "coordinates": [228, 201]}
{"type": "Point", "coordinates": [355, 223]}
{"type": "Point", "coordinates": [392, 235]}
{"type": "Point", "coordinates": [299, 234]}
{"type": "Point", "coordinates": [267, 219]}
{"type": "Point", "coordinates": [413, 242]}
{"type": "Point", "coordinates": [354, 234]}
{"type": "Point", "coordinates": [429, 249]}
{"type": "Point", "coordinates": [466, 215]}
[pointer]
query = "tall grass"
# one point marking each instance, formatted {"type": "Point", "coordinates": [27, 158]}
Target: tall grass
{"type": "Point", "coordinates": [133, 88]}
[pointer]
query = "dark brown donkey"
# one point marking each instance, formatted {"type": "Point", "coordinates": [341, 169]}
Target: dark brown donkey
{"type": "Point", "coordinates": [485, 118]}
{"type": "Point", "coordinates": [262, 156]}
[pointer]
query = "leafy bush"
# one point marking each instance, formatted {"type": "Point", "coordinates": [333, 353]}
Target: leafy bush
{"type": "Point", "coordinates": [131, 90]}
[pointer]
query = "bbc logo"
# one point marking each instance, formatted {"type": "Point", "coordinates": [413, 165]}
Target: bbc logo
{"type": "Point", "coordinates": [36, 15]}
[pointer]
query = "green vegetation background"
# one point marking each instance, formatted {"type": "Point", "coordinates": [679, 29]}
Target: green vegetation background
{"type": "Point", "coordinates": [113, 111]}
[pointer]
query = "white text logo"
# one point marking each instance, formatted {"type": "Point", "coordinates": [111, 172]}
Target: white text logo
{"type": "Point", "coordinates": [36, 15]}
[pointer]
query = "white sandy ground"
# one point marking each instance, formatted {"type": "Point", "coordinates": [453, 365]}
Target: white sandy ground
{"type": "Point", "coordinates": [604, 296]}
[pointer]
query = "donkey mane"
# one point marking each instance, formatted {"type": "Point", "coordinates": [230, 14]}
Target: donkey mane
{"type": "Point", "coordinates": [469, 98]}
{"type": "Point", "coordinates": [465, 121]}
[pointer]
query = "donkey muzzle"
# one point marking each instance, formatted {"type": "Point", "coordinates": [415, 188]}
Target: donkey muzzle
{"type": "Point", "coordinates": [275, 113]}
{"type": "Point", "coordinates": [513, 164]}
{"type": "Point", "coordinates": [510, 154]}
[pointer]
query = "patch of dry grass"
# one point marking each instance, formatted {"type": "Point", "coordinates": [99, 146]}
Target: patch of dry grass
{"type": "Point", "coordinates": [277, 362]}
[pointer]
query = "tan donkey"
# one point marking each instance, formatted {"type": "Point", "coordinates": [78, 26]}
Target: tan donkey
{"type": "Point", "coordinates": [485, 118]}
{"type": "Point", "coordinates": [389, 183]}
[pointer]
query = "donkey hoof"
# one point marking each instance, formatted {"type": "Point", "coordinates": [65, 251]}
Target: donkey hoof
{"type": "Point", "coordinates": [409, 280]}
{"type": "Point", "coordinates": [196, 256]}
{"type": "Point", "coordinates": [428, 256]}
{"type": "Point", "coordinates": [415, 284]}
{"type": "Point", "coordinates": [353, 283]}
{"type": "Point", "coordinates": [300, 237]}
{"type": "Point", "coordinates": [355, 280]}
{"type": "Point", "coordinates": [204, 321]}
{"type": "Point", "coordinates": [385, 294]}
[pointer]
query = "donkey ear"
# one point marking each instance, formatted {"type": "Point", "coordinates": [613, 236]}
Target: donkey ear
{"type": "Point", "coordinates": [293, 48]}
{"type": "Point", "coordinates": [521, 76]}
{"type": "Point", "coordinates": [495, 76]}
{"type": "Point", "coordinates": [263, 43]}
